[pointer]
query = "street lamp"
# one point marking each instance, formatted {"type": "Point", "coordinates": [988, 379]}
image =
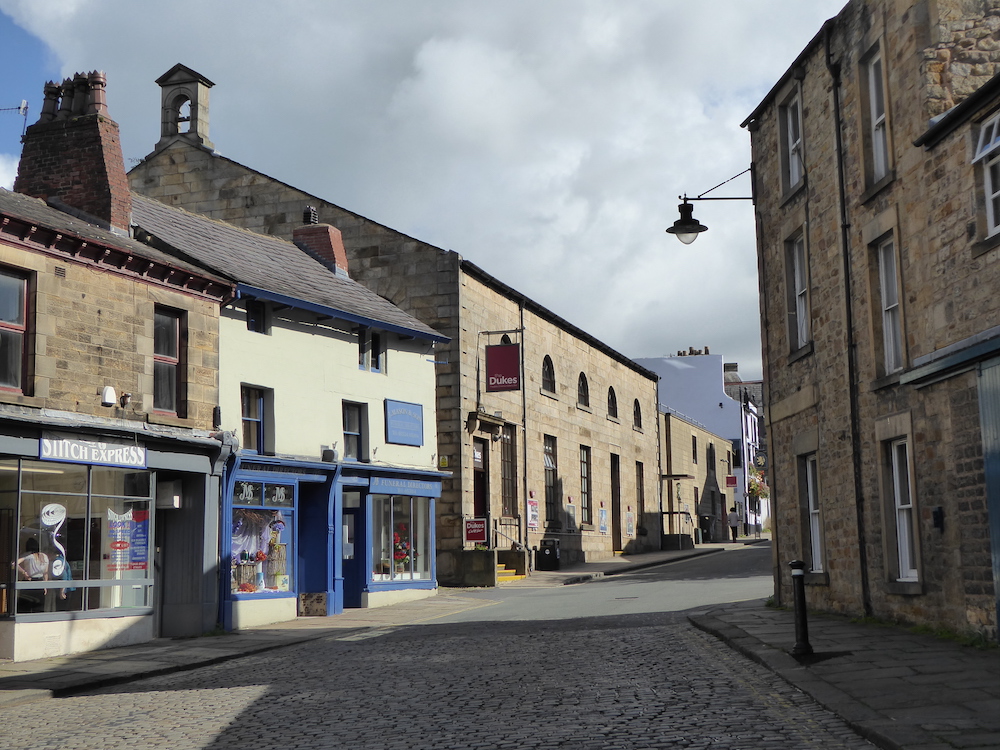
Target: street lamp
{"type": "Point", "coordinates": [687, 228]}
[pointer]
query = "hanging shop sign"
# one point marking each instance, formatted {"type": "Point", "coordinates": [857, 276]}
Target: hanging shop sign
{"type": "Point", "coordinates": [404, 423]}
{"type": "Point", "coordinates": [503, 367]}
{"type": "Point", "coordinates": [56, 446]}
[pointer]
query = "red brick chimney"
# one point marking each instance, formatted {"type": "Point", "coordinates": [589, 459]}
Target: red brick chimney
{"type": "Point", "coordinates": [73, 153]}
{"type": "Point", "coordinates": [321, 240]}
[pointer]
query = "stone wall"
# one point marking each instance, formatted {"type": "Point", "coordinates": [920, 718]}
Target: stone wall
{"type": "Point", "coordinates": [95, 328]}
{"type": "Point", "coordinates": [935, 54]}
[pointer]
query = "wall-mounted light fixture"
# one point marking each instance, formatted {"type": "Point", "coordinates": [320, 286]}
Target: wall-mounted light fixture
{"type": "Point", "coordinates": [687, 228]}
{"type": "Point", "coordinates": [108, 396]}
{"type": "Point", "coordinates": [125, 399]}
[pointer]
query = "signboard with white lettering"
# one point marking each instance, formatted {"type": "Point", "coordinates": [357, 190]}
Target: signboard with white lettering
{"type": "Point", "coordinates": [404, 423]}
{"type": "Point", "coordinates": [401, 486]}
{"type": "Point", "coordinates": [475, 531]}
{"type": "Point", "coordinates": [55, 446]}
{"type": "Point", "coordinates": [503, 367]}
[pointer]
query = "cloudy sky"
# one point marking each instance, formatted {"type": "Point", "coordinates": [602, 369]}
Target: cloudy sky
{"type": "Point", "coordinates": [547, 141]}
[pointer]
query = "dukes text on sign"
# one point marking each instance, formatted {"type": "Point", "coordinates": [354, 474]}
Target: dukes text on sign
{"type": "Point", "coordinates": [503, 367]}
{"type": "Point", "coordinates": [475, 531]}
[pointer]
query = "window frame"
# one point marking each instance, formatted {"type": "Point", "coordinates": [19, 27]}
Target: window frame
{"type": "Point", "coordinates": [876, 120]}
{"type": "Point", "coordinates": [890, 305]}
{"type": "Point", "coordinates": [797, 292]}
{"type": "Point", "coordinates": [262, 423]}
{"type": "Point", "coordinates": [612, 403]}
{"type": "Point", "coordinates": [175, 362]}
{"type": "Point", "coordinates": [258, 316]}
{"type": "Point", "coordinates": [21, 329]}
{"type": "Point", "coordinates": [814, 518]}
{"type": "Point", "coordinates": [355, 440]}
{"type": "Point", "coordinates": [988, 154]}
{"type": "Point", "coordinates": [586, 485]}
{"type": "Point", "coordinates": [371, 350]}
{"type": "Point", "coordinates": [548, 375]}
{"type": "Point", "coordinates": [582, 391]}
{"type": "Point", "coordinates": [550, 459]}
{"type": "Point", "coordinates": [792, 145]}
{"type": "Point", "coordinates": [904, 517]}
{"type": "Point", "coordinates": [636, 415]}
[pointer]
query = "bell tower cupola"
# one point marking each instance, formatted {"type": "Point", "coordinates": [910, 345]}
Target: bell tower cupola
{"type": "Point", "coordinates": [184, 102]}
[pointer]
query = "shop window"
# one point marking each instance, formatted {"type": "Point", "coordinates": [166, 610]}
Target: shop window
{"type": "Point", "coordinates": [548, 375]}
{"type": "Point", "coordinates": [13, 330]}
{"type": "Point", "coordinates": [262, 548]}
{"type": "Point", "coordinates": [612, 404]}
{"type": "Point", "coordinates": [402, 545]}
{"type": "Point", "coordinates": [586, 485]}
{"type": "Point", "coordinates": [84, 536]}
{"type": "Point", "coordinates": [355, 431]}
{"type": "Point", "coordinates": [168, 381]}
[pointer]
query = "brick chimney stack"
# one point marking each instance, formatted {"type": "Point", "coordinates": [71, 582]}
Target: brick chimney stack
{"type": "Point", "coordinates": [321, 240]}
{"type": "Point", "coordinates": [73, 154]}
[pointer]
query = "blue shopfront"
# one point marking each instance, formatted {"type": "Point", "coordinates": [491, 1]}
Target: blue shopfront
{"type": "Point", "coordinates": [310, 538]}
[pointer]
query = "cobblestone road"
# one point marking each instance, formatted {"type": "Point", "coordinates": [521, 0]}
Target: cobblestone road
{"type": "Point", "coordinates": [641, 681]}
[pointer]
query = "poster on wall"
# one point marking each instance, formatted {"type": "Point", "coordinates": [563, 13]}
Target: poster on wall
{"type": "Point", "coordinates": [571, 517]}
{"type": "Point", "coordinates": [602, 520]}
{"type": "Point", "coordinates": [532, 513]}
{"type": "Point", "coordinates": [630, 524]}
{"type": "Point", "coordinates": [503, 367]}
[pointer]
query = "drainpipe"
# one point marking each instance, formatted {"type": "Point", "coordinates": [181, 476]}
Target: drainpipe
{"type": "Point", "coordinates": [852, 367]}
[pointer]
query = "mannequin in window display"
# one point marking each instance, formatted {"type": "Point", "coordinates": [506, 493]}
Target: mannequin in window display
{"type": "Point", "coordinates": [34, 566]}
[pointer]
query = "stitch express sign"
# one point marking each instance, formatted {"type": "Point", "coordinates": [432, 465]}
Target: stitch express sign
{"type": "Point", "coordinates": [72, 449]}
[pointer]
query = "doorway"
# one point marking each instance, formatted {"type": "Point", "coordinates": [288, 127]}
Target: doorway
{"type": "Point", "coordinates": [616, 503]}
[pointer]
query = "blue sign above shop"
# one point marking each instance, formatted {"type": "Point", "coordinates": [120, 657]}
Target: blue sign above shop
{"type": "Point", "coordinates": [402, 486]}
{"type": "Point", "coordinates": [404, 423]}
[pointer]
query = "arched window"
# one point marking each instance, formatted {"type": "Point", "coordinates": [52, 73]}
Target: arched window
{"type": "Point", "coordinates": [548, 375]}
{"type": "Point", "coordinates": [637, 415]}
{"type": "Point", "coordinates": [582, 391]}
{"type": "Point", "coordinates": [505, 339]}
{"type": "Point", "coordinates": [612, 403]}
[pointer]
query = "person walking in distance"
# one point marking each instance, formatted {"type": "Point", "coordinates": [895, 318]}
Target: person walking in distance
{"type": "Point", "coordinates": [734, 522]}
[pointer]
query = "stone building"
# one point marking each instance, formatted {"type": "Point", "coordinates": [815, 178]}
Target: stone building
{"type": "Point", "coordinates": [109, 465]}
{"type": "Point", "coordinates": [571, 455]}
{"type": "Point", "coordinates": [695, 466]}
{"type": "Point", "coordinates": [875, 164]}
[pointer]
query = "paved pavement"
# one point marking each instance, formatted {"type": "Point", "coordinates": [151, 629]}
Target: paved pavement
{"type": "Point", "coordinates": [896, 688]}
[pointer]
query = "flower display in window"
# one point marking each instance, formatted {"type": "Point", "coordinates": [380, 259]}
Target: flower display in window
{"type": "Point", "coordinates": [401, 546]}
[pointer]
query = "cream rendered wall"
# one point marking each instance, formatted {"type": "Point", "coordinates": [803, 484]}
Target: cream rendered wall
{"type": "Point", "coordinates": [312, 369]}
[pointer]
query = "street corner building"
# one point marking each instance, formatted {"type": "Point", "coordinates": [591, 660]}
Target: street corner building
{"type": "Point", "coordinates": [109, 465]}
{"type": "Point", "coordinates": [199, 426]}
{"type": "Point", "coordinates": [877, 174]}
{"type": "Point", "coordinates": [548, 435]}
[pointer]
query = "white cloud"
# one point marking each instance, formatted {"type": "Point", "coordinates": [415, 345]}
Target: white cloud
{"type": "Point", "coordinates": [546, 142]}
{"type": "Point", "coordinates": [8, 170]}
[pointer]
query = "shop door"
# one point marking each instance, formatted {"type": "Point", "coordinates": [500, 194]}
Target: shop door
{"type": "Point", "coordinates": [353, 561]}
{"type": "Point", "coordinates": [616, 502]}
{"type": "Point", "coordinates": [480, 478]}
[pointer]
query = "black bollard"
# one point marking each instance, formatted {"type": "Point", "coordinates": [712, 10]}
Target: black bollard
{"type": "Point", "coordinates": [801, 646]}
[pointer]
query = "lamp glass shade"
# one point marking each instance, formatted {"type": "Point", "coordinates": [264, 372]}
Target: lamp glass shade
{"type": "Point", "coordinates": [687, 228]}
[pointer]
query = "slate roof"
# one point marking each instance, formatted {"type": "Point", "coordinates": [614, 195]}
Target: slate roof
{"type": "Point", "coordinates": [271, 264]}
{"type": "Point", "coordinates": [37, 212]}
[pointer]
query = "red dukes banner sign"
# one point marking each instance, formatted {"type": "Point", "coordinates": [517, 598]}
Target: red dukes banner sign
{"type": "Point", "coordinates": [503, 367]}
